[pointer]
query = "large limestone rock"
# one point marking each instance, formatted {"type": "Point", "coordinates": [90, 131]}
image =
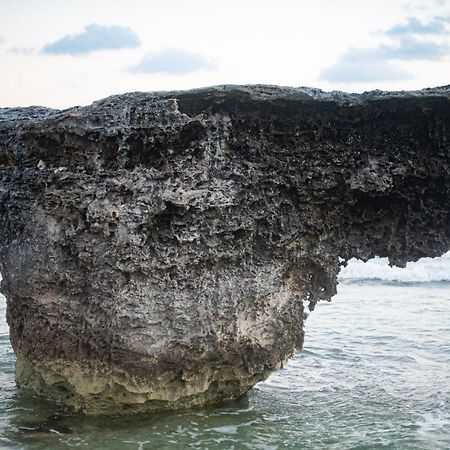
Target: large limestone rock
{"type": "Point", "coordinates": [158, 249]}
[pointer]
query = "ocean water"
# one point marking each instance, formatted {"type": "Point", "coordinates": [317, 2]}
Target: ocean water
{"type": "Point", "coordinates": [374, 374]}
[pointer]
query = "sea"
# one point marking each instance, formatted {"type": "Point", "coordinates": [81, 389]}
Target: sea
{"type": "Point", "coordinates": [374, 374]}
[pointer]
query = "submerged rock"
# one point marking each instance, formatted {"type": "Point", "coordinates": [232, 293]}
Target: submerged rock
{"type": "Point", "coordinates": [159, 249]}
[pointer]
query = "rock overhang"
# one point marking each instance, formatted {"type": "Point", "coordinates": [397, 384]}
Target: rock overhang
{"type": "Point", "coordinates": [158, 248]}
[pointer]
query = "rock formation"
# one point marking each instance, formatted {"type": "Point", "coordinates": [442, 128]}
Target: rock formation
{"type": "Point", "coordinates": [158, 250]}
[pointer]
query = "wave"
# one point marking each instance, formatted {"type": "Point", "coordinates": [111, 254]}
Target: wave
{"type": "Point", "coordinates": [426, 270]}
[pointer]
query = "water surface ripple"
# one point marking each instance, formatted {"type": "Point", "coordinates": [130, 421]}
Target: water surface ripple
{"type": "Point", "coordinates": [375, 374]}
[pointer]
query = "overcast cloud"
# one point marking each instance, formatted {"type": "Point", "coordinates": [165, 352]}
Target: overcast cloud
{"type": "Point", "coordinates": [59, 54]}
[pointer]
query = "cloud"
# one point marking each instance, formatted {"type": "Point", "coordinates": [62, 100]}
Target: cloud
{"type": "Point", "coordinates": [410, 49]}
{"type": "Point", "coordinates": [376, 64]}
{"type": "Point", "coordinates": [94, 37]}
{"type": "Point", "coordinates": [424, 6]}
{"type": "Point", "coordinates": [415, 26]}
{"type": "Point", "coordinates": [345, 71]}
{"type": "Point", "coordinates": [22, 50]}
{"type": "Point", "coordinates": [172, 61]}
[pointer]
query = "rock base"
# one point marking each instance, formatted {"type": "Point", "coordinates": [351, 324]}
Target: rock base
{"type": "Point", "coordinates": [95, 389]}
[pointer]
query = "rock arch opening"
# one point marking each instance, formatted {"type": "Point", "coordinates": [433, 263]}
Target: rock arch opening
{"type": "Point", "coordinates": [425, 270]}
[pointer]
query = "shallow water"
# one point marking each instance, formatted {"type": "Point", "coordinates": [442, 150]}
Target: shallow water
{"type": "Point", "coordinates": [375, 374]}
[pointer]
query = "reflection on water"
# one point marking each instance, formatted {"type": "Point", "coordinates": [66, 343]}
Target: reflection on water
{"type": "Point", "coordinates": [374, 374]}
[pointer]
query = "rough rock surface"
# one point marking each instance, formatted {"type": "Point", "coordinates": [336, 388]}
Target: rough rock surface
{"type": "Point", "coordinates": [158, 248]}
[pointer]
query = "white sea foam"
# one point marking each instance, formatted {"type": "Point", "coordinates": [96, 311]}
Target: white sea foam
{"type": "Point", "coordinates": [425, 270]}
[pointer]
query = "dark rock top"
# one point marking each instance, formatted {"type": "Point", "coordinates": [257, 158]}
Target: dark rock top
{"type": "Point", "coordinates": [167, 241]}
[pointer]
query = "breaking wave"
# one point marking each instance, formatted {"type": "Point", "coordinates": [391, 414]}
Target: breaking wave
{"type": "Point", "coordinates": [426, 270]}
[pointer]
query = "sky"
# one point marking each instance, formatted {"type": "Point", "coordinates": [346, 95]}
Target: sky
{"type": "Point", "coordinates": [61, 53]}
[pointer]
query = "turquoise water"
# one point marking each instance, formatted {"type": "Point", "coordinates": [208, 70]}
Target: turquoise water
{"type": "Point", "coordinates": [375, 374]}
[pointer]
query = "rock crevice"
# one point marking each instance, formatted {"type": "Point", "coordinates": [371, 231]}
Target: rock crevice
{"type": "Point", "coordinates": [159, 249]}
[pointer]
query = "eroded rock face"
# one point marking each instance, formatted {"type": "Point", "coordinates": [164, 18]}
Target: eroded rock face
{"type": "Point", "coordinates": [158, 248]}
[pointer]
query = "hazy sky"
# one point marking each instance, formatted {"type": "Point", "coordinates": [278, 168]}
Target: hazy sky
{"type": "Point", "coordinates": [68, 52]}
